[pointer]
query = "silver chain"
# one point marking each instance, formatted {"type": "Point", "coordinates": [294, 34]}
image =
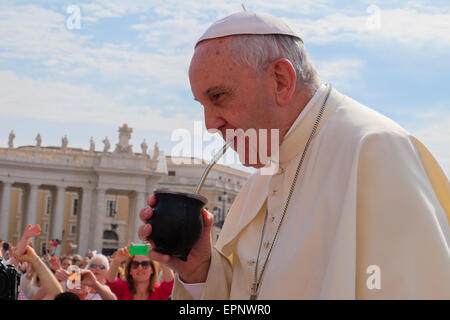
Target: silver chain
{"type": "Point", "coordinates": [256, 282]}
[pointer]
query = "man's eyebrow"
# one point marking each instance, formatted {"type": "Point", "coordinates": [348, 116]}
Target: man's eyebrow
{"type": "Point", "coordinates": [213, 90]}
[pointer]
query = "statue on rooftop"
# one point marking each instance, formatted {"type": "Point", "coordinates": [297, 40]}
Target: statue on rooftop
{"type": "Point", "coordinates": [124, 145]}
{"type": "Point", "coordinates": [107, 145]}
{"type": "Point", "coordinates": [155, 152]}
{"type": "Point", "coordinates": [11, 139]}
{"type": "Point", "coordinates": [38, 140]}
{"type": "Point", "coordinates": [144, 148]}
{"type": "Point", "coordinates": [92, 146]}
{"type": "Point", "coordinates": [64, 143]}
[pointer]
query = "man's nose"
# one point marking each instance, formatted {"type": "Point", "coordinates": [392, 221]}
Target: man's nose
{"type": "Point", "coordinates": [213, 121]}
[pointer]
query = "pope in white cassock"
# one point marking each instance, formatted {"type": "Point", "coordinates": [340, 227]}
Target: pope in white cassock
{"type": "Point", "coordinates": [358, 208]}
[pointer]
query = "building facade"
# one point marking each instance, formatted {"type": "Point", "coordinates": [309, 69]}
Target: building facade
{"type": "Point", "coordinates": [91, 199]}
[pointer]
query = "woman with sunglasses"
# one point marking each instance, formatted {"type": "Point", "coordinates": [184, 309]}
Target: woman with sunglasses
{"type": "Point", "coordinates": [98, 290]}
{"type": "Point", "coordinates": [141, 275]}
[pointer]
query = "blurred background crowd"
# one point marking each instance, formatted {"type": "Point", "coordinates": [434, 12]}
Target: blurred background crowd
{"type": "Point", "coordinates": [121, 276]}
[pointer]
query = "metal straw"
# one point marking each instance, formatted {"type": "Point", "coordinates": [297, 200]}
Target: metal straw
{"type": "Point", "coordinates": [211, 164]}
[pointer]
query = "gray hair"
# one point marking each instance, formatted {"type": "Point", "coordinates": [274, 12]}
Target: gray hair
{"type": "Point", "coordinates": [258, 51]}
{"type": "Point", "coordinates": [101, 257]}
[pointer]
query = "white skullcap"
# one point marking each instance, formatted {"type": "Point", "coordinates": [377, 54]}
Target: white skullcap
{"type": "Point", "coordinates": [247, 22]}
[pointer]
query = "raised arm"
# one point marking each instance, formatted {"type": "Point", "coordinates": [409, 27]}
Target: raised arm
{"type": "Point", "coordinates": [30, 231]}
{"type": "Point", "coordinates": [48, 280]}
{"type": "Point", "coordinates": [120, 255]}
{"type": "Point", "coordinates": [104, 291]}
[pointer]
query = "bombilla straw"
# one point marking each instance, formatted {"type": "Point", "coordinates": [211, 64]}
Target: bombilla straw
{"type": "Point", "coordinates": [211, 164]}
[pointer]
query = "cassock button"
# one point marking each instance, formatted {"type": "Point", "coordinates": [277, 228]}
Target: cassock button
{"type": "Point", "coordinates": [251, 262]}
{"type": "Point", "coordinates": [274, 191]}
{"type": "Point", "coordinates": [266, 244]}
{"type": "Point", "coordinates": [272, 218]}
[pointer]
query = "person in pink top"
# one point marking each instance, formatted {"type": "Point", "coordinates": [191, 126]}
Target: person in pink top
{"type": "Point", "coordinates": [142, 278]}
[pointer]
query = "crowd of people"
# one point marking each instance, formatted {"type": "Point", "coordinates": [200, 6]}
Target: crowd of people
{"type": "Point", "coordinates": [121, 276]}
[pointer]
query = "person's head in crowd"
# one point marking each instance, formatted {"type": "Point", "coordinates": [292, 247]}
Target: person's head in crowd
{"type": "Point", "coordinates": [67, 296]}
{"type": "Point", "coordinates": [91, 254]}
{"type": "Point", "coordinates": [81, 291]}
{"type": "Point", "coordinates": [84, 262]}
{"type": "Point", "coordinates": [77, 260]}
{"type": "Point", "coordinates": [70, 248]}
{"type": "Point", "coordinates": [141, 269]}
{"type": "Point", "coordinates": [4, 249]}
{"type": "Point", "coordinates": [46, 255]}
{"type": "Point", "coordinates": [66, 262]}
{"type": "Point", "coordinates": [99, 266]}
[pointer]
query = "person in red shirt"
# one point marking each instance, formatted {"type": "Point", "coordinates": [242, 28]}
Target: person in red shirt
{"type": "Point", "coordinates": [142, 278]}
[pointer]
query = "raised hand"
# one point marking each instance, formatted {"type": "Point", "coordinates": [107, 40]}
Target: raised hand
{"type": "Point", "coordinates": [61, 274]}
{"type": "Point", "coordinates": [88, 278]}
{"type": "Point", "coordinates": [55, 264]}
{"type": "Point", "coordinates": [121, 254]}
{"type": "Point", "coordinates": [28, 256]}
{"type": "Point", "coordinates": [30, 231]}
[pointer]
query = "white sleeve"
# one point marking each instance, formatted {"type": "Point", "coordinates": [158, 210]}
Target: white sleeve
{"type": "Point", "coordinates": [27, 288]}
{"type": "Point", "coordinates": [195, 289]}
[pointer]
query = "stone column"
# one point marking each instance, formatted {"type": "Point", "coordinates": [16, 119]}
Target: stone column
{"type": "Point", "coordinates": [139, 203]}
{"type": "Point", "coordinates": [32, 203]}
{"type": "Point", "coordinates": [5, 209]}
{"type": "Point", "coordinates": [57, 220]}
{"type": "Point", "coordinates": [99, 220]}
{"type": "Point", "coordinates": [83, 225]}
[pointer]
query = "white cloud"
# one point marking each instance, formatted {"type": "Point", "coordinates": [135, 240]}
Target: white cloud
{"type": "Point", "coordinates": [62, 102]}
{"type": "Point", "coordinates": [342, 73]}
{"type": "Point", "coordinates": [36, 34]}
{"type": "Point", "coordinates": [411, 25]}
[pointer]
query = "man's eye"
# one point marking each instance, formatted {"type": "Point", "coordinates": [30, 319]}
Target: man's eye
{"type": "Point", "coordinates": [217, 96]}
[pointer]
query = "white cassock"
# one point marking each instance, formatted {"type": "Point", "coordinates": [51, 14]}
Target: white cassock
{"type": "Point", "coordinates": [368, 219]}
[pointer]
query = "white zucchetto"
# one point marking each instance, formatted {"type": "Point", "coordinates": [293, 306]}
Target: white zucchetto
{"type": "Point", "coordinates": [247, 22]}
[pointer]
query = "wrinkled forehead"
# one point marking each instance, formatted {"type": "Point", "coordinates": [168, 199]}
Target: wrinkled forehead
{"type": "Point", "coordinates": [213, 67]}
{"type": "Point", "coordinates": [212, 49]}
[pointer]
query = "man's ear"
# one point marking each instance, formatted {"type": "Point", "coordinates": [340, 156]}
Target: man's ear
{"type": "Point", "coordinates": [284, 80]}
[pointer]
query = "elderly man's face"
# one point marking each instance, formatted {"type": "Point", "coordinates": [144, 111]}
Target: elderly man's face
{"type": "Point", "coordinates": [233, 96]}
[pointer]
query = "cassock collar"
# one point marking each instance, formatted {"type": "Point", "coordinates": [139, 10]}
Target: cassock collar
{"type": "Point", "coordinates": [298, 134]}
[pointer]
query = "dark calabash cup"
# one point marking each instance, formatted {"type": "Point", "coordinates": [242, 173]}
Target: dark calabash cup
{"type": "Point", "coordinates": [177, 222]}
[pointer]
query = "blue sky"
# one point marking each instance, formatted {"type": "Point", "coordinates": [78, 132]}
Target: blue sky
{"type": "Point", "coordinates": [128, 62]}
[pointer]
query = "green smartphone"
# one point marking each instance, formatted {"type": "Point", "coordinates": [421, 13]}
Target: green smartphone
{"type": "Point", "coordinates": [139, 250]}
